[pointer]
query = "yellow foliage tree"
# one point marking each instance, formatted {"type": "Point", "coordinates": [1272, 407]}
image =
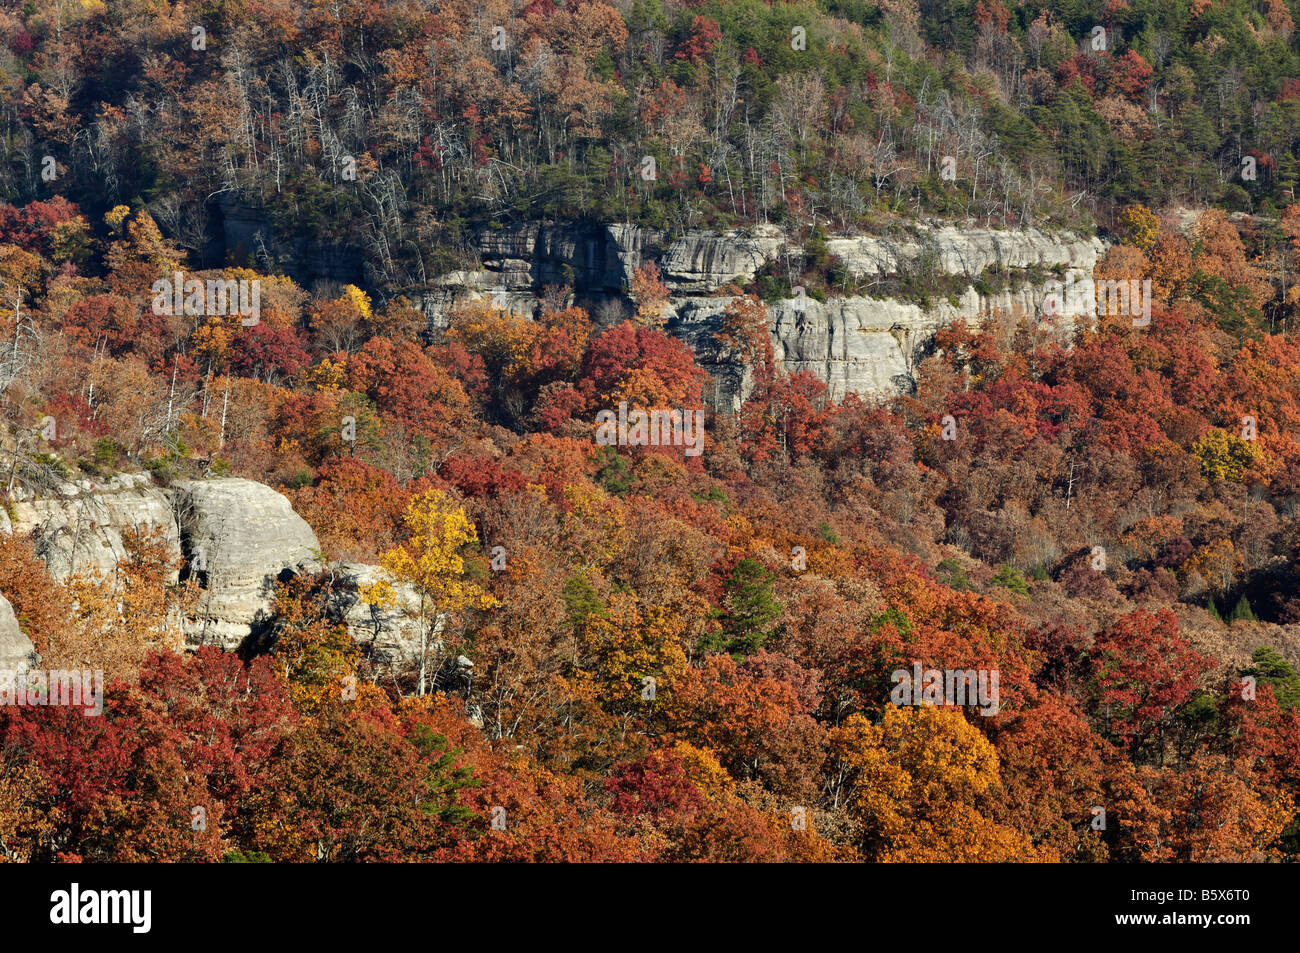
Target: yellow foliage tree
{"type": "Point", "coordinates": [211, 341]}
{"type": "Point", "coordinates": [595, 528]}
{"type": "Point", "coordinates": [360, 300]}
{"type": "Point", "coordinates": [503, 339]}
{"type": "Point", "coordinates": [1225, 456]}
{"type": "Point", "coordinates": [140, 241]}
{"type": "Point", "coordinates": [630, 643]}
{"type": "Point", "coordinates": [115, 218]}
{"type": "Point", "coordinates": [26, 820]}
{"type": "Point", "coordinates": [1142, 226]}
{"type": "Point", "coordinates": [328, 374]}
{"type": "Point", "coordinates": [704, 770]}
{"type": "Point", "coordinates": [430, 562]}
{"type": "Point", "coordinates": [916, 781]}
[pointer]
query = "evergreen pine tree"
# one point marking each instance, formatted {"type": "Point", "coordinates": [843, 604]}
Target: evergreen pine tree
{"type": "Point", "coordinates": [1242, 611]}
{"type": "Point", "coordinates": [748, 611]}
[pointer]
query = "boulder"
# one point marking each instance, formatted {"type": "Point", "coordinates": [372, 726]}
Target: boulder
{"type": "Point", "coordinates": [239, 537]}
{"type": "Point", "coordinates": [236, 537]}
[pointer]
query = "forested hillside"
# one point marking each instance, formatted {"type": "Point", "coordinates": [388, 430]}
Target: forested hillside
{"type": "Point", "coordinates": [687, 651]}
{"type": "Point", "coordinates": [393, 127]}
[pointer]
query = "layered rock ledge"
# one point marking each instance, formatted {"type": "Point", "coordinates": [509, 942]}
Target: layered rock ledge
{"type": "Point", "coordinates": [855, 344]}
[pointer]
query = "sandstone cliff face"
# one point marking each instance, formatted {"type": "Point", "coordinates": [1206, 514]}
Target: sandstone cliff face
{"type": "Point", "coordinates": [16, 650]}
{"type": "Point", "coordinates": [965, 251]}
{"type": "Point", "coordinates": [518, 261]}
{"type": "Point", "coordinates": [861, 345]}
{"type": "Point", "coordinates": [858, 345]}
{"type": "Point", "coordinates": [236, 537]}
{"type": "Point", "coordinates": [855, 345]}
{"type": "Point", "coordinates": [81, 529]}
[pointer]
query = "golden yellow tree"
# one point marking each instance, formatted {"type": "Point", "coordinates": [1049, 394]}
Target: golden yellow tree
{"type": "Point", "coordinates": [1225, 456]}
{"type": "Point", "coordinates": [503, 339]}
{"type": "Point", "coordinates": [360, 300]}
{"type": "Point", "coordinates": [26, 821]}
{"type": "Point", "coordinates": [1141, 226]}
{"type": "Point", "coordinates": [139, 241]}
{"type": "Point", "coordinates": [916, 786]}
{"type": "Point", "coordinates": [431, 564]}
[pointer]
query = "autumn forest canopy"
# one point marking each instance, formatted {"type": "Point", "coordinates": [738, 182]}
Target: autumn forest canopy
{"type": "Point", "coordinates": [638, 653]}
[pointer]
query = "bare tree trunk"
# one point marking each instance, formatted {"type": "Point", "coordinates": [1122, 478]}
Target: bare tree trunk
{"type": "Point", "coordinates": [225, 403]}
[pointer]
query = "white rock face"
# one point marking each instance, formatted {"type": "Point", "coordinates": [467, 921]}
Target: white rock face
{"type": "Point", "coordinates": [965, 251]}
{"type": "Point", "coordinates": [867, 346]}
{"type": "Point", "coordinates": [239, 537]}
{"type": "Point", "coordinates": [857, 345]}
{"type": "Point", "coordinates": [703, 262]}
{"type": "Point", "coordinates": [81, 530]}
{"type": "Point", "coordinates": [16, 650]}
{"type": "Point", "coordinates": [516, 258]}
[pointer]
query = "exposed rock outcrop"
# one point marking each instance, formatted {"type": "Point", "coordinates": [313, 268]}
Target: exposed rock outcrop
{"type": "Point", "coordinates": [16, 650]}
{"type": "Point", "coordinates": [598, 261]}
{"type": "Point", "coordinates": [239, 537]}
{"type": "Point", "coordinates": [235, 537]}
{"type": "Point", "coordinates": [861, 345]}
{"type": "Point", "coordinates": [81, 529]}
{"type": "Point", "coordinates": [391, 634]}
{"type": "Point", "coordinates": [857, 345]}
{"type": "Point", "coordinates": [964, 251]}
